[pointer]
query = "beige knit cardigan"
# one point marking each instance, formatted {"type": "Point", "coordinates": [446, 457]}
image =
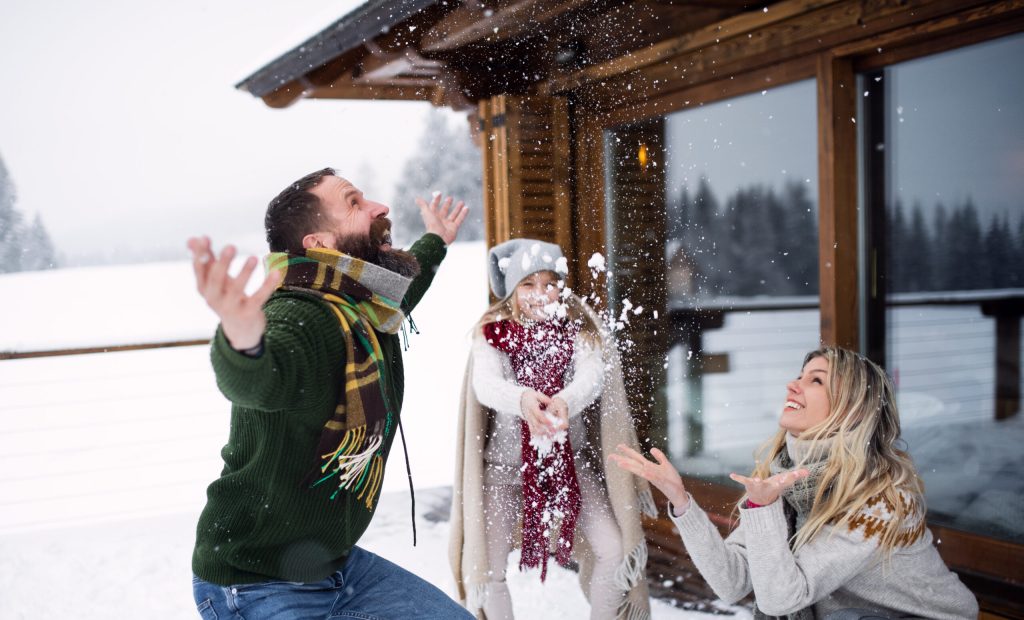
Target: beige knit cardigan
{"type": "Point", "coordinates": [629, 495]}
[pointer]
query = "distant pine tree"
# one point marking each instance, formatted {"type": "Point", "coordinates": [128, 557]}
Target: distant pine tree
{"type": "Point", "coordinates": [675, 216]}
{"type": "Point", "coordinates": [10, 224]}
{"type": "Point", "coordinates": [22, 247]}
{"type": "Point", "coordinates": [761, 243]}
{"type": "Point", "coordinates": [752, 243]}
{"type": "Point", "coordinates": [798, 240]}
{"type": "Point", "coordinates": [1018, 277]}
{"type": "Point", "coordinates": [446, 160]}
{"type": "Point", "coordinates": [702, 230]}
{"type": "Point", "coordinates": [899, 250]}
{"type": "Point", "coordinates": [999, 253]}
{"type": "Point", "coordinates": [965, 264]}
{"type": "Point", "coordinates": [38, 252]}
{"type": "Point", "coordinates": [919, 253]}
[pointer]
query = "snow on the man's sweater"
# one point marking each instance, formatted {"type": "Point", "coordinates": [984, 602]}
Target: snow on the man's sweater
{"type": "Point", "coordinates": [104, 459]}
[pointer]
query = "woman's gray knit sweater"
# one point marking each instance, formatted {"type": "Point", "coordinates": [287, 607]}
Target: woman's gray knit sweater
{"type": "Point", "coordinates": [843, 566]}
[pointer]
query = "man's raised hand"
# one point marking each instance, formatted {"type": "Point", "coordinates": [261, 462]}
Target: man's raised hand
{"type": "Point", "coordinates": [241, 316]}
{"type": "Point", "coordinates": [440, 218]}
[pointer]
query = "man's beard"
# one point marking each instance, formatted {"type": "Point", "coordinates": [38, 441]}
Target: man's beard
{"type": "Point", "coordinates": [370, 248]}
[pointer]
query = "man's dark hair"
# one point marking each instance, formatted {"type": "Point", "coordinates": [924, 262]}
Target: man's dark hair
{"type": "Point", "coordinates": [295, 213]}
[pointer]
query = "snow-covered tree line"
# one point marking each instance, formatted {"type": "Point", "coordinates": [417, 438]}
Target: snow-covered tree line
{"type": "Point", "coordinates": [24, 245]}
{"type": "Point", "coordinates": [446, 160]}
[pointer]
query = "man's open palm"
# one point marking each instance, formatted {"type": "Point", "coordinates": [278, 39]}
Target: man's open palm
{"type": "Point", "coordinates": [440, 218]}
{"type": "Point", "coordinates": [241, 316]}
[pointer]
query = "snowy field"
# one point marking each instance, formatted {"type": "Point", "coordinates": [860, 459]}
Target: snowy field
{"type": "Point", "coordinates": [104, 459]}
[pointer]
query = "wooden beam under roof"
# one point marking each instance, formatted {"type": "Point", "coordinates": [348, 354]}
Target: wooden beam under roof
{"type": "Point", "coordinates": [731, 27]}
{"type": "Point", "coordinates": [738, 5]}
{"type": "Point", "coordinates": [381, 67]}
{"type": "Point", "coordinates": [407, 90]}
{"type": "Point", "coordinates": [345, 87]}
{"type": "Point", "coordinates": [472, 23]}
{"type": "Point", "coordinates": [285, 95]}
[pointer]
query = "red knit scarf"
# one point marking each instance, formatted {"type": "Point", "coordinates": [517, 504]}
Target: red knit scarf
{"type": "Point", "coordinates": [540, 354]}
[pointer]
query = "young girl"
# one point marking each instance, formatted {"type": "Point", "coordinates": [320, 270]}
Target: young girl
{"type": "Point", "coordinates": [848, 536]}
{"type": "Point", "coordinates": [543, 406]}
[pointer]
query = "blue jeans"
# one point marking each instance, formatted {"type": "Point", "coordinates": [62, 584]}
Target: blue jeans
{"type": "Point", "coordinates": [368, 587]}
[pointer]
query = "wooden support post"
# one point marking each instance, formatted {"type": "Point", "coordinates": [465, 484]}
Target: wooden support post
{"type": "Point", "coordinates": [1007, 366]}
{"type": "Point", "coordinates": [837, 179]}
{"type": "Point", "coordinates": [1007, 314]}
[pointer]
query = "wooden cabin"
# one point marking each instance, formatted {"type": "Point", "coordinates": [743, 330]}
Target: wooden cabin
{"type": "Point", "coordinates": [757, 177]}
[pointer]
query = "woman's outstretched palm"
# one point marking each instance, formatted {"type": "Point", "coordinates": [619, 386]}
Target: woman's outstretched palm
{"type": "Point", "coordinates": [764, 492]}
{"type": "Point", "coordinates": [660, 473]}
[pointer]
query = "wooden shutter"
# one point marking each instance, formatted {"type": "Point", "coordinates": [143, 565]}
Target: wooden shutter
{"type": "Point", "coordinates": [525, 147]}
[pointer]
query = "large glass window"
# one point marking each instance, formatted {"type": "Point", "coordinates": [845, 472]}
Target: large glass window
{"type": "Point", "coordinates": [734, 184]}
{"type": "Point", "coordinates": [943, 145]}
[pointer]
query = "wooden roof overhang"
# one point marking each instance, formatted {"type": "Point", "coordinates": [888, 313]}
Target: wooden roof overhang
{"type": "Point", "coordinates": [455, 53]}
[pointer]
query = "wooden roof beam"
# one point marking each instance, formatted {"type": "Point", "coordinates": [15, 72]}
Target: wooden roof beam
{"type": "Point", "coordinates": [729, 28]}
{"type": "Point", "coordinates": [289, 93]}
{"type": "Point", "coordinates": [384, 66]}
{"type": "Point", "coordinates": [472, 23]}
{"type": "Point", "coordinates": [737, 5]}
{"type": "Point", "coordinates": [407, 90]}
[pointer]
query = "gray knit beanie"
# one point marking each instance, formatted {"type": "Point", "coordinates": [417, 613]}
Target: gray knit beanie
{"type": "Point", "coordinates": [509, 262]}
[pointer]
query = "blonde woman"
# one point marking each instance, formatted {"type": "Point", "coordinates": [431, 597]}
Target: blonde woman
{"type": "Point", "coordinates": [543, 406]}
{"type": "Point", "coordinates": [833, 520]}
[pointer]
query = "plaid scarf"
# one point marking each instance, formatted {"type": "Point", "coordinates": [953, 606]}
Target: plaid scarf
{"type": "Point", "coordinates": [366, 299]}
{"type": "Point", "coordinates": [540, 354]}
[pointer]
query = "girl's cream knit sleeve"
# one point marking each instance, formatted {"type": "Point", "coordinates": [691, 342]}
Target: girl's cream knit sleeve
{"type": "Point", "coordinates": [587, 378]}
{"type": "Point", "coordinates": [492, 380]}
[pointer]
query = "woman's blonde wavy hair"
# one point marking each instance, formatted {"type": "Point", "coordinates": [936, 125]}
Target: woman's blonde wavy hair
{"type": "Point", "coordinates": [864, 463]}
{"type": "Point", "coordinates": [576, 312]}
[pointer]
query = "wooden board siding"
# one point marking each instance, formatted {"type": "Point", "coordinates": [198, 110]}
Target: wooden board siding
{"type": "Point", "coordinates": [526, 155]}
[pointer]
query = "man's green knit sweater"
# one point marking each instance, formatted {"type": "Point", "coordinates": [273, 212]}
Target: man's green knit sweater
{"type": "Point", "coordinates": [260, 522]}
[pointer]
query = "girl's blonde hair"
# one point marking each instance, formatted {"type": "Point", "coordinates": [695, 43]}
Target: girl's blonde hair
{"type": "Point", "coordinates": [864, 465]}
{"type": "Point", "coordinates": [576, 312]}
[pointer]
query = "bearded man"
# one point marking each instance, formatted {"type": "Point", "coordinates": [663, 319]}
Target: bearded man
{"type": "Point", "coordinates": [312, 365]}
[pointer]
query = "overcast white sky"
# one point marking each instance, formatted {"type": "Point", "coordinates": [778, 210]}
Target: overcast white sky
{"type": "Point", "coordinates": [120, 123]}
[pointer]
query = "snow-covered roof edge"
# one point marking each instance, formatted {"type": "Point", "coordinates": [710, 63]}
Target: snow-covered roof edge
{"type": "Point", "coordinates": [362, 24]}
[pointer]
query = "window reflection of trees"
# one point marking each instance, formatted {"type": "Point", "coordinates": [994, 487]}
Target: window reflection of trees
{"type": "Point", "coordinates": [761, 241]}
{"type": "Point", "coordinates": [955, 250]}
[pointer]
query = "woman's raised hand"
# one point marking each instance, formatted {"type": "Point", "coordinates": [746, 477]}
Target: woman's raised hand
{"type": "Point", "coordinates": [764, 492]}
{"type": "Point", "coordinates": [661, 474]}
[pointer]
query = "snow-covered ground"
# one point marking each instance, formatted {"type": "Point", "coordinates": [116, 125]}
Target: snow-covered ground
{"type": "Point", "coordinates": [140, 567]}
{"type": "Point", "coordinates": [104, 459]}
